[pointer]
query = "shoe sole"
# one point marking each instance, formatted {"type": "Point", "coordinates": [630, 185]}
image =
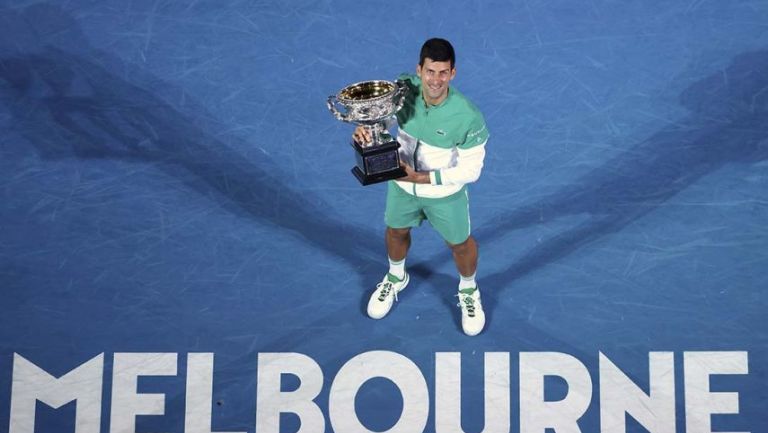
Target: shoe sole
{"type": "Point", "coordinates": [472, 334]}
{"type": "Point", "coordinates": [405, 284]}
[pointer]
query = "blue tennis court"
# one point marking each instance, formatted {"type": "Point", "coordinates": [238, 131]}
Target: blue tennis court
{"type": "Point", "coordinates": [184, 249]}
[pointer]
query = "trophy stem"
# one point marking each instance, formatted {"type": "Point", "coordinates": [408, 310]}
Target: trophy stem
{"type": "Point", "coordinates": [378, 134]}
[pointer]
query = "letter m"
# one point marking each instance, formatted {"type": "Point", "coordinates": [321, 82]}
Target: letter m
{"type": "Point", "coordinates": [31, 383]}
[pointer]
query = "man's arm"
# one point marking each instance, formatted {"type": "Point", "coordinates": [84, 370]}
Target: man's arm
{"type": "Point", "coordinates": [469, 164]}
{"type": "Point", "coordinates": [469, 161]}
{"type": "Point", "coordinates": [469, 158]}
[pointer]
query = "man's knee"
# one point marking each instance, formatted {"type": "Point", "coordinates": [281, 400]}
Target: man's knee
{"type": "Point", "coordinates": [400, 234]}
{"type": "Point", "coordinates": [467, 246]}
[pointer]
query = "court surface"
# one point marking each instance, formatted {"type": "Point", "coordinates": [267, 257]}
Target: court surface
{"type": "Point", "coordinates": [175, 195]}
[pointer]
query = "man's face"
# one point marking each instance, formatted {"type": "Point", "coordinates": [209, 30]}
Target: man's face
{"type": "Point", "coordinates": [435, 76]}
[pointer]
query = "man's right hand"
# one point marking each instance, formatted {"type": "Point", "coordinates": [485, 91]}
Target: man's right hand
{"type": "Point", "coordinates": [361, 135]}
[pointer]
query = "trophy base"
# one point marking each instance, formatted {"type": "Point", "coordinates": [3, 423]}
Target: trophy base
{"type": "Point", "coordinates": [377, 163]}
{"type": "Point", "coordinates": [369, 179]}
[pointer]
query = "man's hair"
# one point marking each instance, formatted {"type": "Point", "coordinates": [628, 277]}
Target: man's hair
{"type": "Point", "coordinates": [438, 50]}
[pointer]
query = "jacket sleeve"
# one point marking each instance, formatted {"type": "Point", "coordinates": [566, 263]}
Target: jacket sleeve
{"type": "Point", "coordinates": [469, 157]}
{"type": "Point", "coordinates": [469, 164]}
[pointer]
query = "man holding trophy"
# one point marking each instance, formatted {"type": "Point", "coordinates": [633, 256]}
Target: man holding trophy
{"type": "Point", "coordinates": [441, 139]}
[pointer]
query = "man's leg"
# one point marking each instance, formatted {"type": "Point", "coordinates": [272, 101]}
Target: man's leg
{"type": "Point", "coordinates": [472, 315]}
{"type": "Point", "coordinates": [398, 242]}
{"type": "Point", "coordinates": [465, 256]}
{"type": "Point", "coordinates": [450, 217]}
{"type": "Point", "coordinates": [402, 210]}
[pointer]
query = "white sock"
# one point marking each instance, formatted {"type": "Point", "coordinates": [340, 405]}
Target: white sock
{"type": "Point", "coordinates": [397, 268]}
{"type": "Point", "coordinates": [467, 282]}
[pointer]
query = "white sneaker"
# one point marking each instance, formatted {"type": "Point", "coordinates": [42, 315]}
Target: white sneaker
{"type": "Point", "coordinates": [385, 294]}
{"type": "Point", "coordinates": [472, 315]}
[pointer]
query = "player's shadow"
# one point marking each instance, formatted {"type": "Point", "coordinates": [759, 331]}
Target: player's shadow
{"type": "Point", "coordinates": [728, 123]}
{"type": "Point", "coordinates": [69, 103]}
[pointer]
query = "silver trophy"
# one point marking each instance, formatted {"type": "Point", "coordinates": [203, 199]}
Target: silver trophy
{"type": "Point", "coordinates": [371, 104]}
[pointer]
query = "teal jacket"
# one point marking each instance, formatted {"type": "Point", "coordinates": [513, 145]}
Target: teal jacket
{"type": "Point", "coordinates": [447, 140]}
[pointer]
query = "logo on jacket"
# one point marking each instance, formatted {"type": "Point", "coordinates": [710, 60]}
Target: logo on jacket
{"type": "Point", "coordinates": [440, 132]}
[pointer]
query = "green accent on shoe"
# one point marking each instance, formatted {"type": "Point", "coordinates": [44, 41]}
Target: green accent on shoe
{"type": "Point", "coordinates": [394, 279]}
{"type": "Point", "coordinates": [468, 290]}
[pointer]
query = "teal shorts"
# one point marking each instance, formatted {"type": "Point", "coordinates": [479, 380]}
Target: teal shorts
{"type": "Point", "coordinates": [448, 215]}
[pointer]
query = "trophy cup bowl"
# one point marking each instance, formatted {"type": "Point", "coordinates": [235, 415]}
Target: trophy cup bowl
{"type": "Point", "coordinates": [370, 104]}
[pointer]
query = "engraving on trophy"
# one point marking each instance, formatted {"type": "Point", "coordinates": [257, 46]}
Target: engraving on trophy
{"type": "Point", "coordinates": [370, 104]}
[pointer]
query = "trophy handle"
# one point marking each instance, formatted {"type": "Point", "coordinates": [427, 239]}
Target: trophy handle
{"type": "Point", "coordinates": [335, 111]}
{"type": "Point", "coordinates": [402, 92]}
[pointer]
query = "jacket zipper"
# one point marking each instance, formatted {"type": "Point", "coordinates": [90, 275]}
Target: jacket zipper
{"type": "Point", "coordinates": [418, 143]}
